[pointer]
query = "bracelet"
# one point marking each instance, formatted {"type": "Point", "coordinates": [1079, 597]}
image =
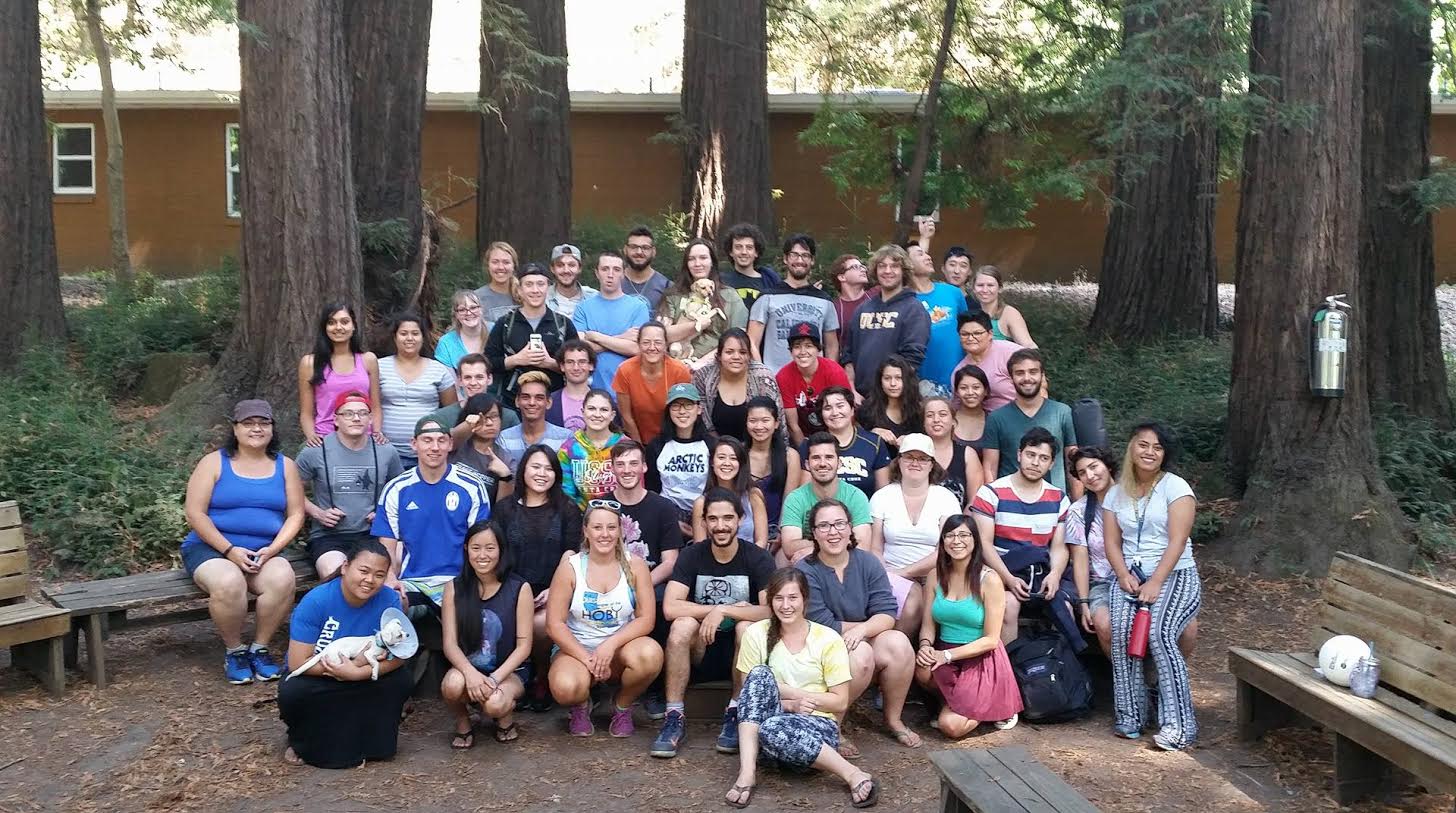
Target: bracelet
{"type": "Point", "coordinates": [1084, 601]}
{"type": "Point", "coordinates": [926, 642]}
{"type": "Point", "coordinates": [229, 550]}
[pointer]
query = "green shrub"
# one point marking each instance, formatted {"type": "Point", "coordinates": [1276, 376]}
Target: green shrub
{"type": "Point", "coordinates": [1418, 460]}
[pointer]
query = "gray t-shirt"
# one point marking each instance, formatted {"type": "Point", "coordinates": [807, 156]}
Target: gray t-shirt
{"type": "Point", "coordinates": [650, 291]}
{"type": "Point", "coordinates": [512, 441]}
{"type": "Point", "coordinates": [779, 309]}
{"type": "Point", "coordinates": [340, 477]}
{"type": "Point", "coordinates": [493, 306]}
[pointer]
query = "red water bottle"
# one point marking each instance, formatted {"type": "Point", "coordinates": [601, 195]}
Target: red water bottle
{"type": "Point", "coordinates": [1137, 640]}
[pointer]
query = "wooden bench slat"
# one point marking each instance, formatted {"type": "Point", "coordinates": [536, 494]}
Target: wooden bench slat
{"type": "Point", "coordinates": [1055, 791]}
{"type": "Point", "coordinates": [967, 779]}
{"type": "Point", "coordinates": [1396, 618]}
{"type": "Point", "coordinates": [1395, 701]}
{"type": "Point", "coordinates": [1007, 779]}
{"type": "Point", "coordinates": [14, 563]}
{"type": "Point", "coordinates": [24, 623]}
{"type": "Point", "coordinates": [146, 589]}
{"type": "Point", "coordinates": [1419, 594]}
{"type": "Point", "coordinates": [1405, 664]}
{"type": "Point", "coordinates": [9, 514]}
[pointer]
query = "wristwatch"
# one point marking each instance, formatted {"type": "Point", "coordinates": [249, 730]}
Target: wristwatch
{"type": "Point", "coordinates": [946, 652]}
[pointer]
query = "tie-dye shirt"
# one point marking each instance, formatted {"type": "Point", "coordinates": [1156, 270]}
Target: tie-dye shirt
{"type": "Point", "coordinates": [586, 468]}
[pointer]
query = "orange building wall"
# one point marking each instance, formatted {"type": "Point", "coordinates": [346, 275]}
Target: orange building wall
{"type": "Point", "coordinates": [176, 189]}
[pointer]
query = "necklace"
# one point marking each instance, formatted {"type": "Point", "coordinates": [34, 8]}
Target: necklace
{"type": "Point", "coordinates": [1140, 504]}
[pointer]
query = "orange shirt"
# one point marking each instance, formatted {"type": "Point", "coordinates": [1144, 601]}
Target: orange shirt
{"type": "Point", "coordinates": [649, 402]}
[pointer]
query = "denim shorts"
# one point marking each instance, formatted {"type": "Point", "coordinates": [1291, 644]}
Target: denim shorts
{"type": "Point", "coordinates": [1100, 594]}
{"type": "Point", "coordinates": [193, 556]}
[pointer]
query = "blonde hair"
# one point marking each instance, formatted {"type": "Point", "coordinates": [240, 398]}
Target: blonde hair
{"type": "Point", "coordinates": [461, 297]}
{"type": "Point", "coordinates": [510, 251]}
{"type": "Point", "coordinates": [994, 273]}
{"type": "Point", "coordinates": [623, 558]}
{"type": "Point", "coordinates": [534, 377]}
{"type": "Point", "coordinates": [890, 252]}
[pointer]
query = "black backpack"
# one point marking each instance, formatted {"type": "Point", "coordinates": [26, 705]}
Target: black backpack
{"type": "Point", "coordinates": [1054, 686]}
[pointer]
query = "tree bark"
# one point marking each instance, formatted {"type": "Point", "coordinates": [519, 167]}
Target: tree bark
{"type": "Point", "coordinates": [300, 235]}
{"type": "Point", "coordinates": [1306, 463]}
{"type": "Point", "coordinates": [1159, 270]}
{"type": "Point", "coordinates": [30, 286]}
{"type": "Point", "coordinates": [724, 117]}
{"type": "Point", "coordinates": [525, 147]}
{"type": "Point", "coordinates": [90, 15]}
{"type": "Point", "coordinates": [1403, 360]}
{"type": "Point", "coordinates": [925, 134]}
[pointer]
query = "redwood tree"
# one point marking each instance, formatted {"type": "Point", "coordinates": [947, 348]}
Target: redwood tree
{"type": "Point", "coordinates": [300, 235]}
{"type": "Point", "coordinates": [1403, 361]}
{"type": "Point", "coordinates": [724, 119]}
{"type": "Point", "coordinates": [925, 130]}
{"type": "Point", "coordinates": [1306, 464]}
{"type": "Point", "coordinates": [524, 190]}
{"type": "Point", "coordinates": [30, 287]}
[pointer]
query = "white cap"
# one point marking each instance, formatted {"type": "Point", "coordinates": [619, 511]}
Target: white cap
{"type": "Point", "coordinates": [917, 442]}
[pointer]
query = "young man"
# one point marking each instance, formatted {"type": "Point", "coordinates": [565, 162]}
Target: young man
{"type": "Point", "coordinates": [796, 300]}
{"type": "Point", "coordinates": [641, 280]}
{"type": "Point", "coordinates": [743, 245]}
{"type": "Point", "coordinates": [609, 321]}
{"type": "Point", "coordinates": [472, 377]}
{"type": "Point", "coordinates": [955, 267]}
{"type": "Point", "coordinates": [1032, 408]}
{"type": "Point", "coordinates": [527, 338]}
{"type": "Point", "coordinates": [567, 292]}
{"type": "Point", "coordinates": [944, 304]}
{"type": "Point", "coordinates": [578, 361]}
{"type": "Point", "coordinates": [890, 323]}
{"type": "Point", "coordinates": [1020, 519]}
{"type": "Point", "coordinates": [822, 460]}
{"type": "Point", "coordinates": [804, 379]}
{"type": "Point", "coordinates": [533, 399]}
{"type": "Point", "coordinates": [717, 590]}
{"type": "Point", "coordinates": [851, 279]}
{"type": "Point", "coordinates": [345, 475]}
{"type": "Point", "coordinates": [422, 517]}
{"type": "Point", "coordinates": [991, 355]}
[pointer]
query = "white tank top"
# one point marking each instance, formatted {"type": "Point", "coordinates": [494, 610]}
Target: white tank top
{"type": "Point", "coordinates": [596, 616]}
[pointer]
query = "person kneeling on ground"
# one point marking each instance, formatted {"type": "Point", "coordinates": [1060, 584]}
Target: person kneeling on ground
{"type": "Point", "coordinates": [716, 591]}
{"type": "Point", "coordinates": [488, 609]}
{"type": "Point", "coordinates": [337, 715]}
{"type": "Point", "coordinates": [600, 614]}
{"type": "Point", "coordinates": [849, 592]}
{"type": "Point", "coordinates": [796, 679]}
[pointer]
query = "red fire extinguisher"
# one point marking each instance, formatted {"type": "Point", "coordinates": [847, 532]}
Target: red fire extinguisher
{"type": "Point", "coordinates": [1137, 640]}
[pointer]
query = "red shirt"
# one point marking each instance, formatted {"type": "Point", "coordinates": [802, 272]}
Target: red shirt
{"type": "Point", "coordinates": [804, 397]}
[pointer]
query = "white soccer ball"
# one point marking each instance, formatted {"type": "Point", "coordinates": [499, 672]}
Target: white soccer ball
{"type": "Point", "coordinates": [1339, 655]}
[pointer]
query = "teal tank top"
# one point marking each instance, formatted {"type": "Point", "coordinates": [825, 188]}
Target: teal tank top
{"type": "Point", "coordinates": [959, 621]}
{"type": "Point", "coordinates": [996, 331]}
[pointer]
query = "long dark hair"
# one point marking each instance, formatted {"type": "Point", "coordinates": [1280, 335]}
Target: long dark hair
{"type": "Point", "coordinates": [555, 495]}
{"type": "Point", "coordinates": [744, 481]}
{"type": "Point", "coordinates": [669, 429]}
{"type": "Point", "coordinates": [780, 579]}
{"type": "Point", "coordinates": [1099, 453]}
{"type": "Point", "coordinates": [467, 589]}
{"type": "Point", "coordinates": [873, 412]}
{"type": "Point", "coordinates": [944, 568]}
{"type": "Point", "coordinates": [824, 505]}
{"type": "Point", "coordinates": [778, 450]}
{"type": "Point", "coordinates": [323, 346]}
{"type": "Point", "coordinates": [684, 284]}
{"type": "Point", "coordinates": [477, 404]}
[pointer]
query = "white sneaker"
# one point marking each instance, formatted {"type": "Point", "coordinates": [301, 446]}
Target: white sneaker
{"type": "Point", "coordinates": [1008, 724]}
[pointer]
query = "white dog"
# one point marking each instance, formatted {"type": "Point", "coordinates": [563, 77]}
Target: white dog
{"type": "Point", "coordinates": [372, 647]}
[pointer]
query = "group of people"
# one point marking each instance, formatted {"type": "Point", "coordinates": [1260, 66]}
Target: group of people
{"type": "Point", "coordinates": [653, 483]}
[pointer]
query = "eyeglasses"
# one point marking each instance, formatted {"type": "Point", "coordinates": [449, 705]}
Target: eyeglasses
{"type": "Point", "coordinates": [960, 536]}
{"type": "Point", "coordinates": [352, 414]}
{"type": "Point", "coordinates": [917, 459]}
{"type": "Point", "coordinates": [610, 505]}
{"type": "Point", "coordinates": [468, 309]}
{"type": "Point", "coordinates": [800, 255]}
{"type": "Point", "coordinates": [975, 334]}
{"type": "Point", "coordinates": [255, 423]}
{"type": "Point", "coordinates": [837, 525]}
{"type": "Point", "coordinates": [639, 247]}
{"type": "Point", "coordinates": [490, 418]}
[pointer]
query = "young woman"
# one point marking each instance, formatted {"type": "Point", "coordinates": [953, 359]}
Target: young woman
{"type": "Point", "coordinates": [893, 408]}
{"type": "Point", "coordinates": [849, 592]}
{"type": "Point", "coordinates": [339, 716]}
{"type": "Point", "coordinates": [244, 504]}
{"type": "Point", "coordinates": [411, 386]}
{"type": "Point", "coordinates": [338, 365]}
{"type": "Point", "coordinates": [1146, 520]}
{"type": "Point", "coordinates": [700, 261]}
{"type": "Point", "coordinates": [678, 459]}
{"type": "Point", "coordinates": [957, 458]}
{"type": "Point", "coordinates": [486, 622]}
{"type": "Point", "coordinates": [642, 383]}
{"type": "Point", "coordinates": [498, 295]}
{"type": "Point", "coordinates": [797, 682]}
{"type": "Point", "coordinates": [864, 458]}
{"type": "Point", "coordinates": [586, 464]}
{"type": "Point", "coordinates": [481, 451]}
{"type": "Point", "coordinates": [729, 382]}
{"type": "Point", "coordinates": [971, 387]}
{"type": "Point", "coordinates": [906, 517]}
{"type": "Point", "coordinates": [600, 614]}
{"type": "Point", "coordinates": [467, 330]}
{"type": "Point", "coordinates": [728, 468]}
{"type": "Point", "coordinates": [961, 656]}
{"type": "Point", "coordinates": [1007, 323]}
{"type": "Point", "coordinates": [773, 466]}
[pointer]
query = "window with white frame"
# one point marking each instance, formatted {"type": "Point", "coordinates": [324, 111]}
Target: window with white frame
{"type": "Point", "coordinates": [73, 167]}
{"type": "Point", "coordinates": [232, 145]}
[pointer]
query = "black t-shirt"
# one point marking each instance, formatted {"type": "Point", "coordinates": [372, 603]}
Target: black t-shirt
{"type": "Point", "coordinates": [536, 537]}
{"type": "Point", "coordinates": [650, 527]}
{"type": "Point", "coordinates": [710, 582]}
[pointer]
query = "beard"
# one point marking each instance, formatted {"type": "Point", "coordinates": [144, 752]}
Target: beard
{"type": "Point", "coordinates": [636, 266]}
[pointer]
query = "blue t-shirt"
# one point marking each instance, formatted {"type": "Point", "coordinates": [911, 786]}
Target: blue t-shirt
{"type": "Point", "coordinates": [430, 519]}
{"type": "Point", "coordinates": [858, 461]}
{"type": "Point", "coordinates": [612, 317]}
{"type": "Point", "coordinates": [944, 304]}
{"type": "Point", "coordinates": [324, 615]}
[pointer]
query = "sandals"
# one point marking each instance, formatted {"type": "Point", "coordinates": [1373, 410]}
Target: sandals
{"type": "Point", "coordinates": [847, 748]}
{"type": "Point", "coordinates": [871, 798]}
{"type": "Point", "coordinates": [508, 733]}
{"type": "Point", "coordinates": [906, 737]}
{"type": "Point", "coordinates": [463, 740]}
{"type": "Point", "coordinates": [745, 795]}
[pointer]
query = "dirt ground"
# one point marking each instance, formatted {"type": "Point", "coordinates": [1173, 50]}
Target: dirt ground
{"type": "Point", "coordinates": [169, 735]}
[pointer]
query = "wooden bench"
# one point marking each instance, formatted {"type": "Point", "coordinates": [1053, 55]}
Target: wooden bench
{"type": "Point", "coordinates": [1409, 722]}
{"type": "Point", "coordinates": [34, 632]}
{"type": "Point", "coordinates": [1002, 780]}
{"type": "Point", "coordinates": [167, 596]}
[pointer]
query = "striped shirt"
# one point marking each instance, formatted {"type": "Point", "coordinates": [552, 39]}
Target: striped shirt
{"type": "Point", "coordinates": [430, 519]}
{"type": "Point", "coordinates": [1018, 522]}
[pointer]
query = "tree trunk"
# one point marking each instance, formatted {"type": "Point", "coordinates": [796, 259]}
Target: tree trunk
{"type": "Point", "coordinates": [30, 286]}
{"type": "Point", "coordinates": [1159, 272]}
{"type": "Point", "coordinates": [389, 42]}
{"type": "Point", "coordinates": [925, 135]}
{"type": "Point", "coordinates": [90, 14]}
{"type": "Point", "coordinates": [724, 117]}
{"type": "Point", "coordinates": [300, 234]}
{"type": "Point", "coordinates": [1306, 463]}
{"type": "Point", "coordinates": [525, 147]}
{"type": "Point", "coordinates": [1403, 360]}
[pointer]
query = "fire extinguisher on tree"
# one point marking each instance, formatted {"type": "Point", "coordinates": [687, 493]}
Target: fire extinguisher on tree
{"type": "Point", "coordinates": [1329, 347]}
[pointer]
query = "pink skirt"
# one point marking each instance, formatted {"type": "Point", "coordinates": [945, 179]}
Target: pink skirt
{"type": "Point", "coordinates": [982, 688]}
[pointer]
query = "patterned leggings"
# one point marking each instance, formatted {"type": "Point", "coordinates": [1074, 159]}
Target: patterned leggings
{"type": "Point", "coordinates": [792, 739]}
{"type": "Point", "coordinates": [1176, 606]}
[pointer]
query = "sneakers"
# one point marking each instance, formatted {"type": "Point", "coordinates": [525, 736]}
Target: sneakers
{"type": "Point", "coordinates": [1009, 723]}
{"type": "Point", "coordinates": [264, 669]}
{"type": "Point", "coordinates": [540, 697]}
{"type": "Point", "coordinates": [238, 667]}
{"type": "Point", "coordinates": [1168, 741]}
{"type": "Point", "coordinates": [621, 725]}
{"type": "Point", "coordinates": [671, 735]}
{"type": "Point", "coordinates": [1127, 732]}
{"type": "Point", "coordinates": [580, 724]}
{"type": "Point", "coordinates": [654, 706]}
{"type": "Point", "coordinates": [728, 737]}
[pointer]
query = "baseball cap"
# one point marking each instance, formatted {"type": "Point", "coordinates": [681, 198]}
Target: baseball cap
{"type": "Point", "coordinates": [533, 269]}
{"type": "Point", "coordinates": [430, 424]}
{"type": "Point", "coordinates": [252, 408]}
{"type": "Point", "coordinates": [917, 442]}
{"type": "Point", "coordinates": [565, 250]}
{"type": "Point", "coordinates": [352, 398]}
{"type": "Point", "coordinates": [684, 392]}
{"type": "Point", "coordinates": [806, 330]}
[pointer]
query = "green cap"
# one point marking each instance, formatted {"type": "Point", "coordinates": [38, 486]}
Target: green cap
{"type": "Point", "coordinates": [684, 392]}
{"type": "Point", "coordinates": [429, 424]}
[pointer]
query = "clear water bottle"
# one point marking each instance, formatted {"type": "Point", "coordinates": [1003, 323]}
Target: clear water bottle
{"type": "Point", "coordinates": [1365, 677]}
